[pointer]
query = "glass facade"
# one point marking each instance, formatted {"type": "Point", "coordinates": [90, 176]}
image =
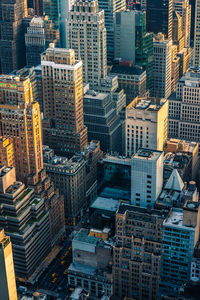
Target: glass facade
{"type": "Point", "coordinates": [177, 251]}
{"type": "Point", "coordinates": [144, 48]}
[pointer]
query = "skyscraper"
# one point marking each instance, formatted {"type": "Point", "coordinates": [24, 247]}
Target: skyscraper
{"type": "Point", "coordinates": [183, 7]}
{"type": "Point", "coordinates": [12, 47]}
{"type": "Point", "coordinates": [38, 7]}
{"type": "Point", "coordinates": [7, 152]}
{"type": "Point", "coordinates": [20, 117]}
{"type": "Point", "coordinates": [35, 41]}
{"type": "Point", "coordinates": [162, 55]}
{"type": "Point", "coordinates": [180, 236]}
{"type": "Point", "coordinates": [159, 17]}
{"type": "Point", "coordinates": [63, 126]}
{"type": "Point", "coordinates": [65, 7]}
{"type": "Point", "coordinates": [144, 48]}
{"type": "Point", "coordinates": [86, 34]}
{"type": "Point", "coordinates": [110, 8]}
{"type": "Point", "coordinates": [51, 9]}
{"type": "Point", "coordinates": [196, 60]}
{"type": "Point", "coordinates": [20, 120]}
{"type": "Point", "coordinates": [8, 289]}
{"type": "Point", "coordinates": [146, 124]}
{"type": "Point", "coordinates": [124, 35]}
{"type": "Point", "coordinates": [184, 108]}
{"type": "Point", "coordinates": [146, 171]}
{"type": "Point", "coordinates": [137, 252]}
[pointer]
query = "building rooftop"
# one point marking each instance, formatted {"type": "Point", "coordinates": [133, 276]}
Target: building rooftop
{"type": "Point", "coordinates": [133, 70]}
{"type": "Point", "coordinates": [191, 77]}
{"type": "Point", "coordinates": [82, 269]}
{"type": "Point", "coordinates": [147, 104]}
{"type": "Point", "coordinates": [85, 269]}
{"type": "Point", "coordinates": [90, 94]}
{"type": "Point", "coordinates": [175, 218]}
{"type": "Point", "coordinates": [147, 154]}
{"type": "Point", "coordinates": [115, 193]}
{"type": "Point", "coordinates": [177, 160]}
{"type": "Point", "coordinates": [82, 236]}
{"type": "Point", "coordinates": [174, 182]}
{"type": "Point", "coordinates": [4, 170]}
{"type": "Point", "coordinates": [122, 160]}
{"type": "Point", "coordinates": [177, 145]}
{"type": "Point", "coordinates": [11, 79]}
{"type": "Point", "coordinates": [65, 165]}
{"type": "Point", "coordinates": [146, 211]}
{"type": "Point", "coordinates": [105, 204]}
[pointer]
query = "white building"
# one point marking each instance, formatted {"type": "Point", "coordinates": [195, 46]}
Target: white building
{"type": "Point", "coordinates": [196, 60]}
{"type": "Point", "coordinates": [146, 124]}
{"type": "Point", "coordinates": [86, 34]}
{"type": "Point", "coordinates": [162, 65]}
{"type": "Point", "coordinates": [124, 35]}
{"type": "Point", "coordinates": [184, 108]}
{"type": "Point", "coordinates": [147, 177]}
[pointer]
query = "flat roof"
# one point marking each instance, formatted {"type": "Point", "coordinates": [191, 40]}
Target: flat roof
{"type": "Point", "coordinates": [150, 104]}
{"type": "Point", "coordinates": [175, 219]}
{"type": "Point", "coordinates": [146, 211]}
{"type": "Point", "coordinates": [133, 70]}
{"type": "Point", "coordinates": [147, 154]}
{"type": "Point", "coordinates": [83, 236]}
{"type": "Point", "coordinates": [105, 204]}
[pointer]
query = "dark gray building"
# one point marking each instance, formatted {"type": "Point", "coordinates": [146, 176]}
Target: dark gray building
{"type": "Point", "coordinates": [102, 121]}
{"type": "Point", "coordinates": [159, 16]}
{"type": "Point", "coordinates": [35, 41]}
{"type": "Point", "coordinates": [12, 46]}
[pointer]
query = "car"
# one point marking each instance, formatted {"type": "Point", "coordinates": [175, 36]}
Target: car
{"type": "Point", "coordinates": [65, 272]}
{"type": "Point", "coordinates": [54, 280]}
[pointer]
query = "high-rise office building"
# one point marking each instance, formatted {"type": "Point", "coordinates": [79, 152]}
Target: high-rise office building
{"type": "Point", "coordinates": [133, 43]}
{"type": "Point", "coordinates": [7, 152]}
{"type": "Point", "coordinates": [63, 124]}
{"type": "Point", "coordinates": [29, 234]}
{"type": "Point", "coordinates": [20, 120]}
{"type": "Point", "coordinates": [35, 76]}
{"type": "Point", "coordinates": [159, 17]}
{"type": "Point", "coordinates": [146, 124]}
{"type": "Point", "coordinates": [137, 252]}
{"type": "Point", "coordinates": [146, 171]}
{"type": "Point", "coordinates": [124, 35]}
{"type": "Point", "coordinates": [184, 108]}
{"type": "Point", "coordinates": [110, 9]}
{"type": "Point", "coordinates": [144, 48]}
{"type": "Point", "coordinates": [196, 59]}
{"type": "Point", "coordinates": [162, 67]}
{"type": "Point", "coordinates": [35, 41]}
{"type": "Point", "coordinates": [86, 34]}
{"type": "Point", "coordinates": [178, 37]}
{"type": "Point", "coordinates": [102, 121]}
{"type": "Point", "coordinates": [193, 5]}
{"type": "Point", "coordinates": [183, 7]}
{"type": "Point", "coordinates": [52, 34]}
{"type": "Point", "coordinates": [40, 203]}
{"type": "Point", "coordinates": [37, 5]}
{"type": "Point", "coordinates": [12, 47]}
{"type": "Point", "coordinates": [8, 289]}
{"type": "Point", "coordinates": [51, 9]}
{"type": "Point", "coordinates": [65, 7]}
{"type": "Point", "coordinates": [132, 79]}
{"type": "Point", "coordinates": [20, 117]}
{"type": "Point", "coordinates": [180, 236]}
